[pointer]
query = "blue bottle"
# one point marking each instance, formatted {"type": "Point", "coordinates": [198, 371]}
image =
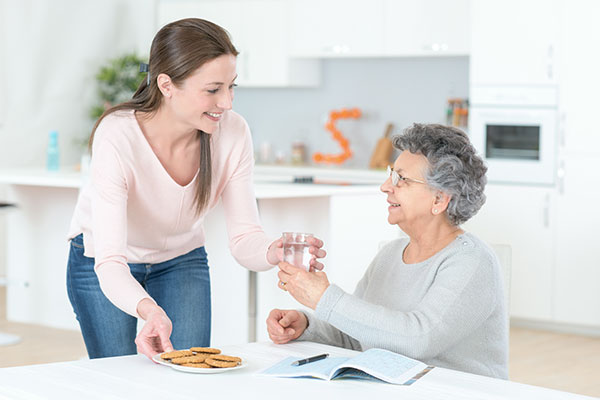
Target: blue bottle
{"type": "Point", "coordinates": [52, 160]}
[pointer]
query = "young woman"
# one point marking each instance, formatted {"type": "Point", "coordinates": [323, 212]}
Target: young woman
{"type": "Point", "coordinates": [160, 162]}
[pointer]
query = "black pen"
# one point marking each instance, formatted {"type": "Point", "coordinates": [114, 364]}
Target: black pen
{"type": "Point", "coordinates": [310, 359]}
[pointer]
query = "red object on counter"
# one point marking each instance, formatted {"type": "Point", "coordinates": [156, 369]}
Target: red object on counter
{"type": "Point", "coordinates": [334, 115]}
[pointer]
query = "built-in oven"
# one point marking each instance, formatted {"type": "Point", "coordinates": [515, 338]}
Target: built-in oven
{"type": "Point", "coordinates": [516, 135]}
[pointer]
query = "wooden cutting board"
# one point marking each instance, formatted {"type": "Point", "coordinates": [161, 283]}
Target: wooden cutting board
{"type": "Point", "coordinates": [383, 150]}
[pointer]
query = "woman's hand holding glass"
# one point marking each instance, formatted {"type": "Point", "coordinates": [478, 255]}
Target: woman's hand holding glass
{"type": "Point", "coordinates": [275, 252]}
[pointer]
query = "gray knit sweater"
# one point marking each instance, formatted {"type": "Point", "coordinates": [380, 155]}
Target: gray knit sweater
{"type": "Point", "coordinates": [447, 311]}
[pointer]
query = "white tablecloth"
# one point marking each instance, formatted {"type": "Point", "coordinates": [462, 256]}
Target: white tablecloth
{"type": "Point", "coordinates": [136, 377]}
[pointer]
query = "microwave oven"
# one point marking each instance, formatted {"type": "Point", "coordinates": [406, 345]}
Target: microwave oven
{"type": "Point", "coordinates": [516, 138]}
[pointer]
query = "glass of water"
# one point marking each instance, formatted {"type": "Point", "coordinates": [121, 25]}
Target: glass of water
{"type": "Point", "coordinates": [295, 249]}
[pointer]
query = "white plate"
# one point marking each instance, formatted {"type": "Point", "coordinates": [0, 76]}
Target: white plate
{"type": "Point", "coordinates": [197, 370]}
{"type": "Point", "coordinates": [159, 360]}
{"type": "Point", "coordinates": [206, 370]}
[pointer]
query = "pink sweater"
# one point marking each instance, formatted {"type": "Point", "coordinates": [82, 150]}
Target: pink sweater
{"type": "Point", "coordinates": [132, 211]}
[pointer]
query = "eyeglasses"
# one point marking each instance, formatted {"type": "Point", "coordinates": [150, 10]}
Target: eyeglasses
{"type": "Point", "coordinates": [397, 178]}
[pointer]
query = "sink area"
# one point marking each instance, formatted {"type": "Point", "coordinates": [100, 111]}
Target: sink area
{"type": "Point", "coordinates": [313, 174]}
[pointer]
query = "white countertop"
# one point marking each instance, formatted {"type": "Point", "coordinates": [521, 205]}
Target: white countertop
{"type": "Point", "coordinates": [270, 181]}
{"type": "Point", "coordinates": [41, 177]}
{"type": "Point", "coordinates": [322, 173]}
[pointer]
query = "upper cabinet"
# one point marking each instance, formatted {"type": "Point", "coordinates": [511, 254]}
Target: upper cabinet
{"type": "Point", "coordinates": [258, 30]}
{"type": "Point", "coordinates": [426, 27]}
{"type": "Point", "coordinates": [514, 42]}
{"type": "Point", "coordinates": [579, 78]}
{"type": "Point", "coordinates": [281, 41]}
{"type": "Point", "coordinates": [336, 28]}
{"type": "Point", "coordinates": [378, 28]}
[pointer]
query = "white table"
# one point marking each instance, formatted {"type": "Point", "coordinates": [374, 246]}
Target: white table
{"type": "Point", "coordinates": [136, 377]}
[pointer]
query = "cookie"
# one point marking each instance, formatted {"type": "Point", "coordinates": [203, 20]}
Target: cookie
{"type": "Point", "coordinates": [209, 350]}
{"type": "Point", "coordinates": [196, 365]}
{"type": "Point", "coordinates": [223, 357]}
{"type": "Point", "coordinates": [198, 358]}
{"type": "Point", "coordinates": [176, 354]}
{"type": "Point", "coordinates": [220, 364]}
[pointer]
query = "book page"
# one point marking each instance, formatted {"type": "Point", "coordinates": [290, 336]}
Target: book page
{"type": "Point", "coordinates": [318, 369]}
{"type": "Point", "coordinates": [385, 365]}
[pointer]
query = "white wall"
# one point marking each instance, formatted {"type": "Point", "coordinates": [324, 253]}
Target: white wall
{"type": "Point", "coordinates": [397, 90]}
{"type": "Point", "coordinates": [51, 50]}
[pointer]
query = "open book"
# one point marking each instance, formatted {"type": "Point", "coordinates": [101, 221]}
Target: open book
{"type": "Point", "coordinates": [373, 364]}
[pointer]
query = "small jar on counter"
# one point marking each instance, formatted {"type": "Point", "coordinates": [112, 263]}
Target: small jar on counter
{"type": "Point", "coordinates": [298, 155]}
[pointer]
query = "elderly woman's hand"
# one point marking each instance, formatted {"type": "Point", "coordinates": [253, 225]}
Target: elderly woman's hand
{"type": "Point", "coordinates": [275, 252]}
{"type": "Point", "coordinates": [286, 325]}
{"type": "Point", "coordinates": [306, 287]}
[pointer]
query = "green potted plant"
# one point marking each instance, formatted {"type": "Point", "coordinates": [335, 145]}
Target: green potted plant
{"type": "Point", "coordinates": [117, 81]}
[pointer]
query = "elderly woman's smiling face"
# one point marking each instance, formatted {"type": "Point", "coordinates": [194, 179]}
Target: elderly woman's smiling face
{"type": "Point", "coordinates": [410, 201]}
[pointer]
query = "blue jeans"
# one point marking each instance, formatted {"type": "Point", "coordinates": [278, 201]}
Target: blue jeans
{"type": "Point", "coordinates": [181, 286]}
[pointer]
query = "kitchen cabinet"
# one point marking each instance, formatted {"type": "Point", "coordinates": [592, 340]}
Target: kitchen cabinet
{"type": "Point", "coordinates": [578, 263]}
{"type": "Point", "coordinates": [523, 217]}
{"type": "Point", "coordinates": [427, 27]}
{"type": "Point", "coordinates": [378, 28]}
{"type": "Point", "coordinates": [579, 81]}
{"type": "Point", "coordinates": [336, 28]}
{"type": "Point", "coordinates": [514, 42]}
{"type": "Point", "coordinates": [258, 30]}
{"type": "Point", "coordinates": [3, 74]}
{"type": "Point", "coordinates": [577, 276]}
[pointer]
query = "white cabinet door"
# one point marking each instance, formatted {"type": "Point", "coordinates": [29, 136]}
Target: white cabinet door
{"type": "Point", "coordinates": [521, 217]}
{"type": "Point", "coordinates": [426, 27]}
{"type": "Point", "coordinates": [514, 42]}
{"type": "Point", "coordinates": [578, 260]}
{"type": "Point", "coordinates": [258, 31]}
{"type": "Point", "coordinates": [578, 221]}
{"type": "Point", "coordinates": [580, 80]}
{"type": "Point", "coordinates": [225, 13]}
{"type": "Point", "coordinates": [336, 28]}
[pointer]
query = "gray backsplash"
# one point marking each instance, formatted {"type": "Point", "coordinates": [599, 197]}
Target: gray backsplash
{"type": "Point", "coordinates": [397, 90]}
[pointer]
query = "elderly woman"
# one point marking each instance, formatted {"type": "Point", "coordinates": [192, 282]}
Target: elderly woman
{"type": "Point", "coordinates": [436, 296]}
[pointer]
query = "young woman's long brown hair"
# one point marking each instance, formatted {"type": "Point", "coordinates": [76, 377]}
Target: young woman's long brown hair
{"type": "Point", "coordinates": [178, 50]}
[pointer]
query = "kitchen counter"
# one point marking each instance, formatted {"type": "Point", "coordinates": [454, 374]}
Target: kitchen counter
{"type": "Point", "coordinates": [271, 182]}
{"type": "Point", "coordinates": [37, 246]}
{"type": "Point", "coordinates": [323, 174]}
{"type": "Point", "coordinates": [41, 177]}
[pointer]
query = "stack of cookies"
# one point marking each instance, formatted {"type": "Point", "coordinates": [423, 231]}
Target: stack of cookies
{"type": "Point", "coordinates": [201, 357]}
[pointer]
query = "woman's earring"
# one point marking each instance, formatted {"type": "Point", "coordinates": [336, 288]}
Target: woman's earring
{"type": "Point", "coordinates": [435, 211]}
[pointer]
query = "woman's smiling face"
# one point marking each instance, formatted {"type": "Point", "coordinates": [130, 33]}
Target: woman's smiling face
{"type": "Point", "coordinates": [200, 101]}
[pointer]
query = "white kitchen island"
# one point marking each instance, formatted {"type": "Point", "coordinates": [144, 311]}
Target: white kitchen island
{"type": "Point", "coordinates": [351, 219]}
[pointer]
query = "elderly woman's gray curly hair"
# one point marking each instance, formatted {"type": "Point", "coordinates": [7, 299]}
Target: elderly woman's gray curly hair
{"type": "Point", "coordinates": [454, 166]}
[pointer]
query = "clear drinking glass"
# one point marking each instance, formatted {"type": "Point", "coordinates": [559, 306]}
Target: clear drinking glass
{"type": "Point", "coordinates": [295, 249]}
